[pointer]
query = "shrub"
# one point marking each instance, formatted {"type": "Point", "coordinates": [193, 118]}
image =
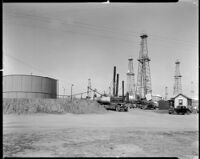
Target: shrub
{"type": "Point", "coordinates": [26, 106]}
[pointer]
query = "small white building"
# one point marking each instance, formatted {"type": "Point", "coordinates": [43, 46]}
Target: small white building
{"type": "Point", "coordinates": [182, 100]}
{"type": "Point", "coordinates": [156, 97]}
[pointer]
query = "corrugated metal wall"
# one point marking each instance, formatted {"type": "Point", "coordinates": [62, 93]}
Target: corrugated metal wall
{"type": "Point", "coordinates": [29, 86]}
{"type": "Point", "coordinates": [163, 105]}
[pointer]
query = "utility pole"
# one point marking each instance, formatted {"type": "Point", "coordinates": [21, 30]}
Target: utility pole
{"type": "Point", "coordinates": [71, 91]}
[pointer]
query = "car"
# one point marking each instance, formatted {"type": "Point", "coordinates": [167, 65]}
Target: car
{"type": "Point", "coordinates": [171, 110]}
{"type": "Point", "coordinates": [117, 107]}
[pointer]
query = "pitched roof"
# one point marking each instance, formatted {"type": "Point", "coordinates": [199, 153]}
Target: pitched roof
{"type": "Point", "coordinates": [182, 95]}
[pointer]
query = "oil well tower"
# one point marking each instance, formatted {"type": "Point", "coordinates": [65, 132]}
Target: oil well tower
{"type": "Point", "coordinates": [130, 79]}
{"type": "Point", "coordinates": [89, 93]}
{"type": "Point", "coordinates": [144, 76]}
{"type": "Point", "coordinates": [177, 79]}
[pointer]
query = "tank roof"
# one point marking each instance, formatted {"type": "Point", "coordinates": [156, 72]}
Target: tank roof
{"type": "Point", "coordinates": [29, 75]}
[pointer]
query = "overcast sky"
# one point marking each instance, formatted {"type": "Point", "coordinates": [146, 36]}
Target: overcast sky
{"type": "Point", "coordinates": [74, 42]}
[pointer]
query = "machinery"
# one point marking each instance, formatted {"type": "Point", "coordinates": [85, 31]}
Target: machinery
{"type": "Point", "coordinates": [114, 102]}
{"type": "Point", "coordinates": [145, 103]}
{"type": "Point", "coordinates": [117, 104]}
{"type": "Point", "coordinates": [180, 110]}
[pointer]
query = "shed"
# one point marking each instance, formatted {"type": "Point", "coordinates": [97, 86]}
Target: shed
{"type": "Point", "coordinates": [182, 100]}
{"type": "Point", "coordinates": [163, 105]}
{"type": "Point", "coordinates": [156, 98]}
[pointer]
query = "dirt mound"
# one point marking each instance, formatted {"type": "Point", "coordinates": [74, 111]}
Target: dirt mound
{"type": "Point", "coordinates": [26, 106]}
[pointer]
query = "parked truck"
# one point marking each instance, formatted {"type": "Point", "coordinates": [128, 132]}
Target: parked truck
{"type": "Point", "coordinates": [113, 103]}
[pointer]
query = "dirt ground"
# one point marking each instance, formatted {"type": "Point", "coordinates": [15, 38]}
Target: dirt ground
{"type": "Point", "coordinates": [137, 133]}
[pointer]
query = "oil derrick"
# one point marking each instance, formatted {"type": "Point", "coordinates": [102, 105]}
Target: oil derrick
{"type": "Point", "coordinates": [109, 91]}
{"type": "Point", "coordinates": [89, 88]}
{"type": "Point", "coordinates": [192, 90]}
{"type": "Point", "coordinates": [144, 77]}
{"type": "Point", "coordinates": [166, 93]}
{"type": "Point", "coordinates": [130, 79]}
{"type": "Point", "coordinates": [177, 79]}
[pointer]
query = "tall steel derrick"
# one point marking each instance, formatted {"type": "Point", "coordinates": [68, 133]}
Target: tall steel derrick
{"type": "Point", "coordinates": [177, 79]}
{"type": "Point", "coordinates": [89, 93]}
{"type": "Point", "coordinates": [130, 79]}
{"type": "Point", "coordinates": [144, 77]}
{"type": "Point", "coordinates": [166, 93]}
{"type": "Point", "coordinates": [192, 89]}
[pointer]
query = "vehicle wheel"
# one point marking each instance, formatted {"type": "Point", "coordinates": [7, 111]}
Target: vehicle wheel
{"type": "Point", "coordinates": [117, 108]}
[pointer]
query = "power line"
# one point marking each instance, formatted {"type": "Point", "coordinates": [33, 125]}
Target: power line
{"type": "Point", "coordinates": [111, 37]}
{"type": "Point", "coordinates": [104, 28]}
{"type": "Point", "coordinates": [24, 63]}
{"type": "Point", "coordinates": [36, 69]}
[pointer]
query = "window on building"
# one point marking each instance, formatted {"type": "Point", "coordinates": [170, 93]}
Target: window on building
{"type": "Point", "coordinates": [180, 101]}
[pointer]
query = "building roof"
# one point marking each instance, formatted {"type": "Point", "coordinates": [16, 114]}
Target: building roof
{"type": "Point", "coordinates": [182, 95]}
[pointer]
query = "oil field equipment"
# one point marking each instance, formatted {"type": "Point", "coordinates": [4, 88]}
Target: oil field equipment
{"type": "Point", "coordinates": [130, 81]}
{"type": "Point", "coordinates": [177, 79]}
{"type": "Point", "coordinates": [181, 105]}
{"type": "Point", "coordinates": [166, 93]}
{"type": "Point", "coordinates": [144, 76]}
{"type": "Point", "coordinates": [89, 89]}
{"type": "Point", "coordinates": [114, 102]}
{"type": "Point", "coordinates": [29, 86]}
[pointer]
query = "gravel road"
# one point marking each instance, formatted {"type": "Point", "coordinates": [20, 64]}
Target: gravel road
{"type": "Point", "coordinates": [137, 133]}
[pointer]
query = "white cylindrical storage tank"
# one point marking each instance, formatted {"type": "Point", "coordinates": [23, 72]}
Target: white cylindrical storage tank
{"type": "Point", "coordinates": [131, 98]}
{"type": "Point", "coordinates": [29, 86]}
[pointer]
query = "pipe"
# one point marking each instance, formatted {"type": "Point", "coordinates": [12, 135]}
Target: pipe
{"type": "Point", "coordinates": [117, 86]}
{"type": "Point", "coordinates": [127, 97]}
{"type": "Point", "coordinates": [114, 75]}
{"type": "Point", "coordinates": [122, 91]}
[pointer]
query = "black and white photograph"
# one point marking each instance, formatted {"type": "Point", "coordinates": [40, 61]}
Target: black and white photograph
{"type": "Point", "coordinates": [100, 79]}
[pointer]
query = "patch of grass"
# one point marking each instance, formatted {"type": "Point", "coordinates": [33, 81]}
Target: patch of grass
{"type": "Point", "coordinates": [28, 106]}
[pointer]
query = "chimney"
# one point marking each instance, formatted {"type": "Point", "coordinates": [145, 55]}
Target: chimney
{"type": "Point", "coordinates": [117, 85]}
{"type": "Point", "coordinates": [122, 91]}
{"type": "Point", "coordinates": [114, 75]}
